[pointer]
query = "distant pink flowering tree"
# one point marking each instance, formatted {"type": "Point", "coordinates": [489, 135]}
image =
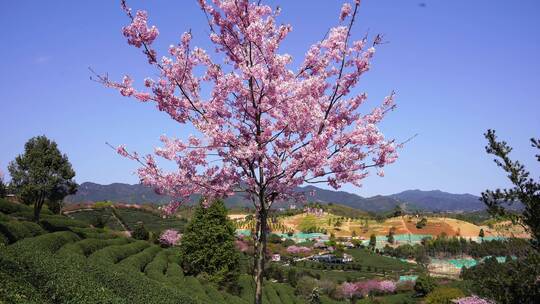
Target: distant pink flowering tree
{"type": "Point", "coordinates": [264, 128]}
{"type": "Point", "coordinates": [349, 290]}
{"type": "Point", "coordinates": [170, 237]}
{"type": "Point", "coordinates": [387, 286]}
{"type": "Point", "coordinates": [293, 249]}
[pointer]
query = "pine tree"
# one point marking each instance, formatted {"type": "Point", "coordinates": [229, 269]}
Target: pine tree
{"type": "Point", "coordinates": [526, 190]}
{"type": "Point", "coordinates": [481, 233]}
{"type": "Point", "coordinates": [208, 247]}
{"type": "Point", "coordinates": [372, 241]}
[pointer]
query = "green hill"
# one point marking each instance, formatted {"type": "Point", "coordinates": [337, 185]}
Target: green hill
{"type": "Point", "coordinates": [62, 260]}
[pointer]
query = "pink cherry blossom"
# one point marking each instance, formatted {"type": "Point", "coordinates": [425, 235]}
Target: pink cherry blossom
{"type": "Point", "coordinates": [262, 126]}
{"type": "Point", "coordinates": [170, 237]}
{"type": "Point", "coordinates": [345, 11]}
{"type": "Point", "coordinates": [387, 286]}
{"type": "Point", "coordinates": [293, 249]}
{"type": "Point", "coordinates": [348, 289]}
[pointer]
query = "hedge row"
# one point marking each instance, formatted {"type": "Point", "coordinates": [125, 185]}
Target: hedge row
{"type": "Point", "coordinates": [93, 233]}
{"type": "Point", "coordinates": [89, 246]}
{"type": "Point", "coordinates": [140, 260]}
{"type": "Point", "coordinates": [174, 273]}
{"type": "Point", "coordinates": [4, 218]}
{"type": "Point", "coordinates": [72, 278]}
{"type": "Point", "coordinates": [273, 293]}
{"type": "Point", "coordinates": [114, 254]}
{"type": "Point", "coordinates": [17, 291]}
{"type": "Point", "coordinates": [61, 223]}
{"type": "Point", "coordinates": [9, 208]}
{"type": "Point", "coordinates": [18, 230]}
{"type": "Point", "coordinates": [285, 293]}
{"type": "Point", "coordinates": [174, 276]}
{"type": "Point", "coordinates": [3, 240]}
{"type": "Point", "coordinates": [155, 270]}
{"type": "Point", "coordinates": [62, 278]}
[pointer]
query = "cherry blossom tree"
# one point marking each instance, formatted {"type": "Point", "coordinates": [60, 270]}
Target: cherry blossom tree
{"type": "Point", "coordinates": [170, 237]}
{"type": "Point", "coordinates": [264, 127]}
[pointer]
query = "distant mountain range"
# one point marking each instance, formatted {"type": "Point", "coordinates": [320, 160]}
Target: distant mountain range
{"type": "Point", "coordinates": [434, 200]}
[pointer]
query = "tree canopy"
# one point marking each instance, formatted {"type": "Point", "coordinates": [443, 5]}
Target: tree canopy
{"type": "Point", "coordinates": [526, 190]}
{"type": "Point", "coordinates": [42, 174]}
{"type": "Point", "coordinates": [208, 247]}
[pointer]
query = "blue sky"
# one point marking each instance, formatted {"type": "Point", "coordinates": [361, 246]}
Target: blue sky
{"type": "Point", "coordinates": [458, 67]}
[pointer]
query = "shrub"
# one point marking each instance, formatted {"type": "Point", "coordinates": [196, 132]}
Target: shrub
{"type": "Point", "coordinates": [4, 218]}
{"type": "Point", "coordinates": [17, 230]}
{"type": "Point", "coordinates": [114, 254]}
{"type": "Point", "coordinates": [404, 286]}
{"type": "Point", "coordinates": [17, 291]}
{"type": "Point", "coordinates": [60, 223]}
{"type": "Point", "coordinates": [72, 278]}
{"type": "Point", "coordinates": [93, 233]}
{"type": "Point", "coordinates": [34, 228]}
{"type": "Point", "coordinates": [9, 207]}
{"type": "Point", "coordinates": [140, 232]}
{"type": "Point", "coordinates": [509, 282]}
{"type": "Point", "coordinates": [443, 295]}
{"type": "Point", "coordinates": [89, 246]}
{"type": "Point", "coordinates": [140, 260]}
{"type": "Point", "coordinates": [424, 284]}
{"type": "Point", "coordinates": [274, 238]}
{"type": "Point", "coordinates": [103, 204]}
{"type": "Point", "coordinates": [305, 286]}
{"type": "Point", "coordinates": [158, 266]}
{"type": "Point", "coordinates": [422, 223]}
{"type": "Point", "coordinates": [208, 245]}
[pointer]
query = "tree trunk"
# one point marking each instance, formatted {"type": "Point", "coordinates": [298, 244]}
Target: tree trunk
{"type": "Point", "coordinates": [37, 209]}
{"type": "Point", "coordinates": [260, 251]}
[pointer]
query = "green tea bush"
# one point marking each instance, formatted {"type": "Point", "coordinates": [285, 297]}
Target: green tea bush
{"type": "Point", "coordinates": [72, 278]}
{"type": "Point", "coordinates": [140, 260]}
{"type": "Point", "coordinates": [58, 278]}
{"type": "Point", "coordinates": [271, 294]}
{"type": "Point", "coordinates": [17, 291]}
{"type": "Point", "coordinates": [140, 232]}
{"type": "Point", "coordinates": [89, 246]}
{"type": "Point", "coordinates": [93, 233]}
{"type": "Point", "coordinates": [9, 207]}
{"type": "Point", "coordinates": [34, 228]}
{"type": "Point", "coordinates": [443, 295]}
{"type": "Point", "coordinates": [3, 240]}
{"type": "Point", "coordinates": [425, 284]}
{"type": "Point", "coordinates": [247, 287]}
{"type": "Point", "coordinates": [114, 254]}
{"type": "Point", "coordinates": [61, 223]}
{"type": "Point", "coordinates": [156, 268]}
{"type": "Point", "coordinates": [4, 218]}
{"type": "Point", "coordinates": [286, 293]}
{"type": "Point", "coordinates": [175, 273]}
{"type": "Point", "coordinates": [194, 288]}
{"type": "Point", "coordinates": [49, 242]}
{"type": "Point", "coordinates": [18, 230]}
{"type": "Point", "coordinates": [24, 215]}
